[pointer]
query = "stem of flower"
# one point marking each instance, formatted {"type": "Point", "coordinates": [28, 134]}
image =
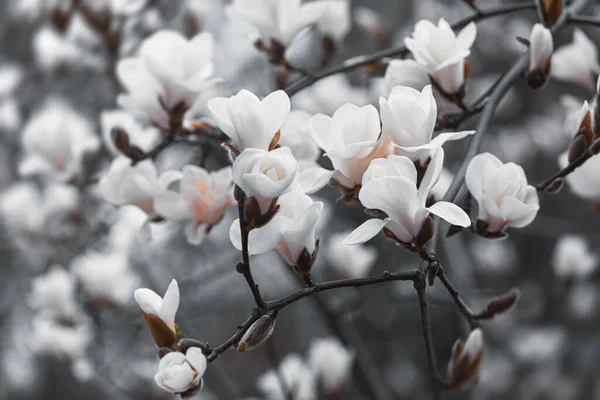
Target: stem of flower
{"type": "Point", "coordinates": [578, 162]}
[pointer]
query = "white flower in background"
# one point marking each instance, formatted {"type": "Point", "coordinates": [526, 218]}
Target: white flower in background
{"type": "Point", "coordinates": [203, 198]}
{"type": "Point", "coordinates": [350, 140]}
{"type": "Point", "coordinates": [178, 372]}
{"type": "Point", "coordinates": [441, 52]}
{"type": "Point", "coordinates": [329, 94]}
{"type": "Point", "coordinates": [106, 276]}
{"type": "Point", "coordinates": [390, 185]}
{"type": "Point", "coordinates": [51, 50]}
{"type": "Point", "coordinates": [585, 180]}
{"type": "Point", "coordinates": [135, 184]}
{"type": "Point", "coordinates": [144, 138]}
{"type": "Point", "coordinates": [442, 185]}
{"type": "Point", "coordinates": [54, 293]}
{"type": "Point", "coordinates": [291, 231]}
{"type": "Point", "coordinates": [538, 345]}
{"type": "Point", "coordinates": [120, 8]}
{"type": "Point", "coordinates": [297, 375]}
{"type": "Point", "coordinates": [250, 122]}
{"type": "Point", "coordinates": [55, 140]}
{"type": "Point", "coordinates": [405, 73]}
{"type": "Point", "coordinates": [50, 336]}
{"type": "Point", "coordinates": [332, 362]}
{"type": "Point", "coordinates": [10, 115]}
{"type": "Point", "coordinates": [169, 71]}
{"type": "Point", "coordinates": [572, 258]}
{"type": "Point", "coordinates": [163, 307]}
{"type": "Point", "coordinates": [265, 175]}
{"type": "Point", "coordinates": [502, 193]}
{"type": "Point", "coordinates": [349, 262]}
{"type": "Point", "coordinates": [540, 55]}
{"type": "Point", "coordinates": [11, 76]}
{"type": "Point", "coordinates": [577, 62]}
{"type": "Point", "coordinates": [408, 117]}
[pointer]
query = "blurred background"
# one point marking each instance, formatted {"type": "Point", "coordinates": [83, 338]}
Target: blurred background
{"type": "Point", "coordinates": [65, 237]}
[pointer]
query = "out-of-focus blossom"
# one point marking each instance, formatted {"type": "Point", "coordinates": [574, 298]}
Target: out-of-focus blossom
{"type": "Point", "coordinates": [120, 8]}
{"type": "Point", "coordinates": [350, 262]}
{"type": "Point", "coordinates": [392, 186]}
{"type": "Point", "coordinates": [494, 256]}
{"type": "Point", "coordinates": [405, 73]}
{"type": "Point", "coordinates": [441, 52]}
{"type": "Point", "coordinates": [55, 141]}
{"type": "Point", "coordinates": [106, 276]}
{"type": "Point", "coordinates": [51, 50]}
{"type": "Point", "coordinates": [143, 138]}
{"type": "Point", "coordinates": [10, 115]}
{"type": "Point", "coordinates": [11, 77]}
{"type": "Point", "coordinates": [179, 373]}
{"type": "Point", "coordinates": [572, 258]}
{"type": "Point", "coordinates": [502, 193]}
{"type": "Point", "coordinates": [203, 198]}
{"type": "Point", "coordinates": [585, 180]}
{"type": "Point", "coordinates": [540, 55]}
{"type": "Point", "coordinates": [577, 62]}
{"type": "Point", "coordinates": [465, 359]}
{"type": "Point", "coordinates": [332, 362]}
{"type": "Point", "coordinates": [538, 345]}
{"type": "Point", "coordinates": [442, 185]}
{"type": "Point", "coordinates": [297, 376]}
{"type": "Point", "coordinates": [54, 293]}
{"type": "Point", "coordinates": [329, 94]}
{"type": "Point", "coordinates": [371, 21]}
{"type": "Point", "coordinates": [50, 336]}
{"type": "Point", "coordinates": [250, 122]}
{"type": "Point", "coordinates": [32, 9]}
{"type": "Point", "coordinates": [166, 77]}
{"type": "Point", "coordinates": [408, 117]}
{"type": "Point", "coordinates": [164, 308]}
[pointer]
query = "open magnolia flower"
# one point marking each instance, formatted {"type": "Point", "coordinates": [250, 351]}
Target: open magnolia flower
{"type": "Point", "coordinates": [164, 80]}
{"type": "Point", "coordinates": [351, 139]}
{"type": "Point", "coordinates": [203, 198]}
{"type": "Point", "coordinates": [502, 194]}
{"type": "Point", "coordinates": [332, 362]}
{"type": "Point", "coordinates": [159, 313]}
{"type": "Point", "coordinates": [577, 62]}
{"type": "Point", "coordinates": [408, 117]}
{"type": "Point", "coordinates": [54, 293]}
{"type": "Point", "coordinates": [180, 373]}
{"type": "Point", "coordinates": [250, 122]}
{"type": "Point", "coordinates": [392, 186]}
{"type": "Point", "coordinates": [55, 141]}
{"type": "Point", "coordinates": [540, 55]}
{"type": "Point", "coordinates": [142, 138]}
{"type": "Point", "coordinates": [441, 53]}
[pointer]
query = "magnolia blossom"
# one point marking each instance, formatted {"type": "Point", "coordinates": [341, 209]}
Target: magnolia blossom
{"type": "Point", "coordinates": [540, 53]}
{"type": "Point", "coordinates": [350, 262]}
{"type": "Point", "coordinates": [441, 53]}
{"type": "Point", "coordinates": [585, 180]}
{"type": "Point", "coordinates": [51, 336]}
{"type": "Point", "coordinates": [405, 73]}
{"type": "Point", "coordinates": [169, 72]}
{"type": "Point", "coordinates": [577, 62]}
{"type": "Point", "coordinates": [572, 257]}
{"type": "Point", "coordinates": [163, 307]}
{"type": "Point", "coordinates": [350, 140]}
{"type": "Point", "coordinates": [250, 122]}
{"type": "Point", "coordinates": [332, 362]}
{"type": "Point", "coordinates": [54, 293]}
{"type": "Point", "coordinates": [408, 117]}
{"type": "Point", "coordinates": [121, 8]}
{"type": "Point", "coordinates": [329, 94]}
{"type": "Point", "coordinates": [502, 193]}
{"type": "Point", "coordinates": [297, 376]}
{"type": "Point", "coordinates": [55, 141]}
{"type": "Point", "coordinates": [143, 138]}
{"type": "Point", "coordinates": [391, 185]}
{"type": "Point", "coordinates": [203, 198]}
{"type": "Point", "coordinates": [178, 372]}
{"type": "Point", "coordinates": [291, 232]}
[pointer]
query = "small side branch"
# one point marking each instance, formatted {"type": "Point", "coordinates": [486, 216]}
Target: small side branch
{"type": "Point", "coordinates": [578, 162]}
{"type": "Point", "coordinates": [462, 306]}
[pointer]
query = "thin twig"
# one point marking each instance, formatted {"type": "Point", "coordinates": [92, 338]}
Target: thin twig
{"type": "Point", "coordinates": [578, 162]}
{"type": "Point", "coordinates": [462, 306]}
{"type": "Point", "coordinates": [160, 147]}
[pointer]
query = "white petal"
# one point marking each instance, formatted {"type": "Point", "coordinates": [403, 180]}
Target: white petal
{"type": "Point", "coordinates": [197, 360]}
{"type": "Point", "coordinates": [171, 205]}
{"type": "Point", "coordinates": [314, 179]}
{"type": "Point", "coordinates": [451, 213]}
{"type": "Point", "coordinates": [148, 300]}
{"type": "Point", "coordinates": [365, 232]}
{"type": "Point", "coordinates": [170, 304]}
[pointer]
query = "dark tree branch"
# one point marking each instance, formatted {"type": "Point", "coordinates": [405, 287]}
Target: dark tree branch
{"type": "Point", "coordinates": [578, 162]}
{"type": "Point", "coordinates": [152, 154]}
{"type": "Point", "coordinates": [462, 306]}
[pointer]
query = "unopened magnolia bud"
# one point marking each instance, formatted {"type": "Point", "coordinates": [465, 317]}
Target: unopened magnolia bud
{"type": "Point", "coordinates": [465, 359]}
{"type": "Point", "coordinates": [305, 262]}
{"type": "Point", "coordinates": [120, 139]}
{"type": "Point", "coordinates": [501, 304]}
{"type": "Point", "coordinates": [275, 140]}
{"type": "Point", "coordinates": [255, 217]}
{"type": "Point", "coordinates": [555, 186]}
{"type": "Point", "coordinates": [258, 333]}
{"type": "Point", "coordinates": [549, 11]}
{"type": "Point", "coordinates": [540, 55]}
{"type": "Point", "coordinates": [306, 51]}
{"type": "Point", "coordinates": [161, 333]}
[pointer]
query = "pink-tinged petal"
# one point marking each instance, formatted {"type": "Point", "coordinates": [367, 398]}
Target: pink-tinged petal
{"type": "Point", "coordinates": [313, 179]}
{"type": "Point", "coordinates": [450, 212]}
{"type": "Point", "coordinates": [171, 205]}
{"type": "Point", "coordinates": [365, 232]}
{"type": "Point", "coordinates": [170, 304]}
{"type": "Point", "coordinates": [197, 360]}
{"type": "Point", "coordinates": [148, 300]}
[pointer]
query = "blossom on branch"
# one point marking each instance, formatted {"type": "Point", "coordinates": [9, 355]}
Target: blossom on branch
{"type": "Point", "coordinates": [159, 313]}
{"type": "Point", "coordinates": [540, 55]}
{"type": "Point", "coordinates": [572, 258]}
{"type": "Point", "coordinates": [502, 193]}
{"type": "Point", "coordinates": [182, 373]}
{"type": "Point", "coordinates": [332, 362]}
{"type": "Point", "coordinates": [577, 62]}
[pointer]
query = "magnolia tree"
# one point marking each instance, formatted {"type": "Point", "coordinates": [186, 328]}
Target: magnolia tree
{"type": "Point", "coordinates": [175, 201]}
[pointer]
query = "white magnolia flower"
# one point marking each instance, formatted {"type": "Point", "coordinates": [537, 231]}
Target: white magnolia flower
{"type": "Point", "coordinates": [350, 140]}
{"type": "Point", "coordinates": [55, 141]}
{"type": "Point", "coordinates": [297, 376]}
{"type": "Point", "coordinates": [135, 184]}
{"type": "Point", "coordinates": [329, 94]}
{"type": "Point", "coordinates": [106, 276]}
{"type": "Point", "coordinates": [178, 372]}
{"type": "Point", "coordinates": [540, 54]}
{"type": "Point", "coordinates": [291, 231]}
{"type": "Point", "coordinates": [170, 71]}
{"type": "Point", "coordinates": [163, 307]}
{"type": "Point", "coordinates": [390, 185]}
{"type": "Point", "coordinates": [51, 50]}
{"type": "Point", "coordinates": [11, 76]}
{"type": "Point", "coordinates": [350, 262]}
{"type": "Point", "coordinates": [54, 293]}
{"type": "Point", "coordinates": [577, 62]}
{"type": "Point", "coordinates": [442, 53]}
{"type": "Point", "coordinates": [50, 336]}
{"type": "Point", "coordinates": [585, 180]}
{"type": "Point", "coordinates": [408, 117]}
{"type": "Point", "coordinates": [331, 361]}
{"type": "Point", "coordinates": [203, 198]}
{"type": "Point", "coordinates": [250, 122]}
{"type": "Point", "coordinates": [405, 73]}
{"type": "Point", "coordinates": [573, 258]}
{"type": "Point", "coordinates": [144, 138]}
{"type": "Point", "coordinates": [502, 193]}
